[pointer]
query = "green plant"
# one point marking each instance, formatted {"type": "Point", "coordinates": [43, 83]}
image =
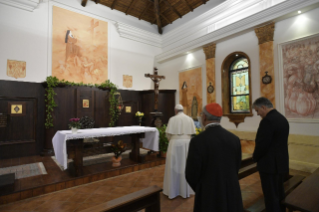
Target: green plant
{"type": "Point", "coordinates": [50, 103]}
{"type": "Point", "coordinates": [163, 141]}
{"type": "Point", "coordinates": [118, 148]}
{"type": "Point", "coordinates": [75, 123]}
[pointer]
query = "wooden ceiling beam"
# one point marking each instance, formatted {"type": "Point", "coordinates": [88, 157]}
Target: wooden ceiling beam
{"type": "Point", "coordinates": [84, 3]}
{"type": "Point", "coordinates": [172, 8]}
{"type": "Point", "coordinates": [166, 19]}
{"type": "Point", "coordinates": [145, 9]}
{"type": "Point", "coordinates": [157, 15]}
{"type": "Point", "coordinates": [131, 4]}
{"type": "Point", "coordinates": [113, 4]}
{"type": "Point", "coordinates": [204, 1]}
{"type": "Point", "coordinates": [188, 5]}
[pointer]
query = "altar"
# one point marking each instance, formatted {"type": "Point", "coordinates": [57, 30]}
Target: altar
{"type": "Point", "coordinates": [67, 144]}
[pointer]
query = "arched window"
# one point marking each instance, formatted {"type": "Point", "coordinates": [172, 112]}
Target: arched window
{"type": "Point", "coordinates": [239, 86]}
{"type": "Point", "coordinates": [236, 89]}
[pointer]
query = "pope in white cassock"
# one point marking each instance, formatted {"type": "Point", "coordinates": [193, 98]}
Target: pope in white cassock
{"type": "Point", "coordinates": [179, 130]}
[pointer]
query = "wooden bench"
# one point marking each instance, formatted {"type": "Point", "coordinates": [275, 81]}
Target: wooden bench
{"type": "Point", "coordinates": [306, 196]}
{"type": "Point", "coordinates": [247, 161]}
{"type": "Point", "coordinates": [148, 199]}
{"type": "Point", "coordinates": [247, 170]}
{"type": "Point", "coordinates": [289, 185]}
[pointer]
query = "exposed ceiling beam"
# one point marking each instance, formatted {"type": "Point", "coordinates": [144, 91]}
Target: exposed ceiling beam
{"type": "Point", "coordinates": [157, 15]}
{"type": "Point", "coordinates": [173, 8]}
{"type": "Point", "coordinates": [188, 5]}
{"type": "Point", "coordinates": [140, 16]}
{"type": "Point", "coordinates": [113, 4]}
{"type": "Point", "coordinates": [131, 4]}
{"type": "Point", "coordinates": [84, 3]}
{"type": "Point", "coordinates": [166, 18]}
{"type": "Point", "coordinates": [204, 1]}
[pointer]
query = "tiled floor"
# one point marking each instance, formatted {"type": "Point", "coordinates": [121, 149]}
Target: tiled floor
{"type": "Point", "coordinates": [85, 196]}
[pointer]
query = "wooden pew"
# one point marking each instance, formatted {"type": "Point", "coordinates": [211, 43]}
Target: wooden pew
{"type": "Point", "coordinates": [306, 196]}
{"type": "Point", "coordinates": [148, 199]}
{"type": "Point", "coordinates": [289, 185]}
{"type": "Point", "coordinates": [247, 170]}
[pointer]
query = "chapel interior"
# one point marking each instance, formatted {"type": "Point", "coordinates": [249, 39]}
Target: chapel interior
{"type": "Point", "coordinates": [107, 62]}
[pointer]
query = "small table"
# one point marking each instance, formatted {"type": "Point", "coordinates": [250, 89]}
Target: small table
{"type": "Point", "coordinates": [305, 197]}
{"type": "Point", "coordinates": [149, 136]}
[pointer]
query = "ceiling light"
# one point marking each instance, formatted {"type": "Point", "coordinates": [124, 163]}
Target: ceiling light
{"type": "Point", "coordinates": [299, 11]}
{"type": "Point", "coordinates": [236, 55]}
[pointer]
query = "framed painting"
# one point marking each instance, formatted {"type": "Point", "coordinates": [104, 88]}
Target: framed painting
{"type": "Point", "coordinates": [79, 47]}
{"type": "Point", "coordinates": [299, 79]}
{"type": "Point", "coordinates": [190, 91]}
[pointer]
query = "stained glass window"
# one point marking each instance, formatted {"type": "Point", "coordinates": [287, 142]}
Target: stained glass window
{"type": "Point", "coordinates": [239, 86]}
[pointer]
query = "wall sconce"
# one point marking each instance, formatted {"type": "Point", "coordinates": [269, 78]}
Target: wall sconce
{"type": "Point", "coordinates": [266, 79]}
{"type": "Point", "coordinates": [120, 104]}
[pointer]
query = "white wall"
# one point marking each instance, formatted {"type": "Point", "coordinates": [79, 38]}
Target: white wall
{"type": "Point", "coordinates": [25, 36]}
{"type": "Point", "coordinates": [286, 30]}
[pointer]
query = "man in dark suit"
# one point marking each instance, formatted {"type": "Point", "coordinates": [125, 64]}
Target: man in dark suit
{"type": "Point", "coordinates": [271, 153]}
{"type": "Point", "coordinates": [214, 158]}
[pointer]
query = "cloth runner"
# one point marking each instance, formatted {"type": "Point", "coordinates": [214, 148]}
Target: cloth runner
{"type": "Point", "coordinates": [59, 140]}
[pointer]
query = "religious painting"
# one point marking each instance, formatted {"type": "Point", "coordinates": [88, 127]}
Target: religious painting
{"type": "Point", "coordinates": [127, 81]}
{"type": "Point", "coordinates": [299, 67]}
{"type": "Point", "coordinates": [16, 69]}
{"type": "Point", "coordinates": [239, 83]}
{"type": "Point", "coordinates": [86, 103]}
{"type": "Point", "coordinates": [190, 91]}
{"type": "Point", "coordinates": [128, 109]}
{"type": "Point", "coordinates": [17, 108]}
{"type": "Point", "coordinates": [79, 47]}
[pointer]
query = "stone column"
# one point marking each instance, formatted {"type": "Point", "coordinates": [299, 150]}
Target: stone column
{"type": "Point", "coordinates": [265, 36]}
{"type": "Point", "coordinates": [210, 72]}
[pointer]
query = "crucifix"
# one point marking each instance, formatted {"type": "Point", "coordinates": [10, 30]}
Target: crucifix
{"type": "Point", "coordinates": [156, 79]}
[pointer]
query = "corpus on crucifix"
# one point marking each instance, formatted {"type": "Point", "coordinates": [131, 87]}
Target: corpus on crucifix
{"type": "Point", "coordinates": [156, 79]}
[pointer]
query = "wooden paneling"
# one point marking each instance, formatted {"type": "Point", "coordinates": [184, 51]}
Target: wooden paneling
{"type": "Point", "coordinates": [25, 133]}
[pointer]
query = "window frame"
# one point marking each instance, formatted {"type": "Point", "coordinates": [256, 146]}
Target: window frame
{"type": "Point", "coordinates": [235, 117]}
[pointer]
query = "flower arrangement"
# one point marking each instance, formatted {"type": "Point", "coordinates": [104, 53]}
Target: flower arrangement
{"type": "Point", "coordinates": [198, 130]}
{"type": "Point", "coordinates": [139, 114]}
{"type": "Point", "coordinates": [75, 123]}
{"type": "Point", "coordinates": [118, 148]}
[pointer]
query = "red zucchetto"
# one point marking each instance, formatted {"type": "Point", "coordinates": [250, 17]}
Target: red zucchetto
{"type": "Point", "coordinates": [213, 109]}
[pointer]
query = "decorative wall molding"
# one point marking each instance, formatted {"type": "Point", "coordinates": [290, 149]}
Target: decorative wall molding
{"type": "Point", "coordinates": [210, 51]}
{"type": "Point", "coordinates": [265, 33]}
{"type": "Point", "coordinates": [136, 34]}
{"type": "Point", "coordinates": [260, 18]}
{"type": "Point", "coordinates": [28, 5]}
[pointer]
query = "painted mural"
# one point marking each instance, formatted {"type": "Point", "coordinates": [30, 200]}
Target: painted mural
{"type": "Point", "coordinates": [190, 91]}
{"type": "Point", "coordinates": [16, 69]}
{"type": "Point", "coordinates": [127, 81]}
{"type": "Point", "coordinates": [79, 47]}
{"type": "Point", "coordinates": [301, 78]}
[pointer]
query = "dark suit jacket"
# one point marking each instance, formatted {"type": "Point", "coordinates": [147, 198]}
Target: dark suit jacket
{"type": "Point", "coordinates": [271, 150]}
{"type": "Point", "coordinates": [213, 161]}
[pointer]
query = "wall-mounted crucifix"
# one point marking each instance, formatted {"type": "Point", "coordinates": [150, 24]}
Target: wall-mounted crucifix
{"type": "Point", "coordinates": [156, 79]}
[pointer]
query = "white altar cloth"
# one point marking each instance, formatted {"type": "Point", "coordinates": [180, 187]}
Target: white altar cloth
{"type": "Point", "coordinates": [59, 140]}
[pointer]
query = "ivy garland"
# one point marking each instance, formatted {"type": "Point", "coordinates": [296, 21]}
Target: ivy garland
{"type": "Point", "coordinates": [50, 103]}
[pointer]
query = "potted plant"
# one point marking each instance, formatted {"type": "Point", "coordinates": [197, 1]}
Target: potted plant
{"type": "Point", "coordinates": [74, 124]}
{"type": "Point", "coordinates": [117, 148]}
{"type": "Point", "coordinates": [163, 141]}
